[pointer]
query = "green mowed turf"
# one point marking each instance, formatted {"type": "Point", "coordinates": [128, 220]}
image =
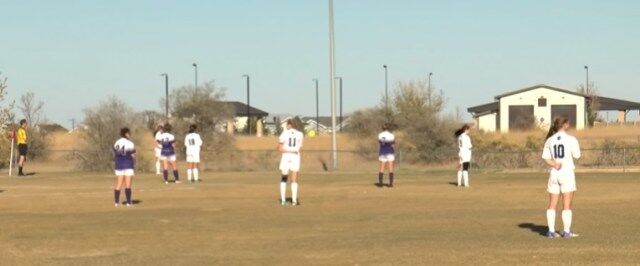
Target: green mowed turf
{"type": "Point", "coordinates": [235, 218]}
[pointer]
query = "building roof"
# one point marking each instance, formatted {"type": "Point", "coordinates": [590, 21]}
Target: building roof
{"type": "Point", "coordinates": [240, 109]}
{"type": "Point", "coordinates": [610, 104]}
{"type": "Point", "coordinates": [539, 86]}
{"type": "Point", "coordinates": [324, 120]}
{"type": "Point", "coordinates": [485, 108]}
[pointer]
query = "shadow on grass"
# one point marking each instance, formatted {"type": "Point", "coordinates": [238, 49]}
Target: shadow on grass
{"type": "Point", "coordinates": [536, 228]}
{"type": "Point", "coordinates": [453, 184]}
{"type": "Point", "coordinates": [136, 202]}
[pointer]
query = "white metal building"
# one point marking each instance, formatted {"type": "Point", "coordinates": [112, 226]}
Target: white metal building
{"type": "Point", "coordinates": [539, 105]}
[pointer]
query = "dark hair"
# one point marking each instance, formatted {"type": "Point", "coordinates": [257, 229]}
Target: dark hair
{"type": "Point", "coordinates": [192, 128]}
{"type": "Point", "coordinates": [167, 128]}
{"type": "Point", "coordinates": [124, 131]}
{"type": "Point", "coordinates": [557, 124]}
{"type": "Point", "coordinates": [386, 126]}
{"type": "Point", "coordinates": [290, 122]}
{"type": "Point", "coordinates": [459, 132]}
{"type": "Point", "coordinates": [160, 127]}
{"type": "Point", "coordinates": [23, 121]}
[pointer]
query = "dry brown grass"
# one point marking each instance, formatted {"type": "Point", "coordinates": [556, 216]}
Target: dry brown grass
{"type": "Point", "coordinates": [60, 218]}
{"type": "Point", "coordinates": [588, 138]}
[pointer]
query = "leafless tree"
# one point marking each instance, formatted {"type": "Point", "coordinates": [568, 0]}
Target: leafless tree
{"type": "Point", "coordinates": [31, 109]}
{"type": "Point", "coordinates": [593, 104]}
{"type": "Point", "coordinates": [6, 119]}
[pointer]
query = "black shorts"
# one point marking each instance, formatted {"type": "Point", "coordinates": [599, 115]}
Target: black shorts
{"type": "Point", "coordinates": [22, 150]}
{"type": "Point", "coordinates": [466, 166]}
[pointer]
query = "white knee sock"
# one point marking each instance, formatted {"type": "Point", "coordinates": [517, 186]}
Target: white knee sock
{"type": "Point", "coordinates": [465, 176]}
{"type": "Point", "coordinates": [459, 178]}
{"type": "Point", "coordinates": [567, 216]}
{"type": "Point", "coordinates": [158, 167]}
{"type": "Point", "coordinates": [551, 220]}
{"type": "Point", "coordinates": [283, 191]}
{"type": "Point", "coordinates": [294, 192]}
{"type": "Point", "coordinates": [189, 174]}
{"type": "Point", "coordinates": [196, 175]}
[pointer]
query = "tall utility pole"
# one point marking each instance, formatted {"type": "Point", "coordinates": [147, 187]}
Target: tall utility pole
{"type": "Point", "coordinates": [586, 91]}
{"type": "Point", "coordinates": [166, 94]}
{"type": "Point", "coordinates": [340, 96]}
{"type": "Point", "coordinates": [248, 104]}
{"type": "Point", "coordinates": [386, 87]}
{"type": "Point", "coordinates": [332, 80]}
{"type": "Point", "coordinates": [317, 108]}
{"type": "Point", "coordinates": [73, 124]}
{"type": "Point", "coordinates": [429, 86]}
{"type": "Point", "coordinates": [195, 69]}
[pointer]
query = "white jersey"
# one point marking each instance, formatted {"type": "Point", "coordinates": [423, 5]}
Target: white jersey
{"type": "Point", "coordinates": [464, 144]}
{"type": "Point", "coordinates": [562, 148]}
{"type": "Point", "coordinates": [291, 140]}
{"type": "Point", "coordinates": [193, 143]}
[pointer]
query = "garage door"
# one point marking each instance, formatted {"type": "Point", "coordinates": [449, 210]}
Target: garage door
{"type": "Point", "coordinates": [568, 111]}
{"type": "Point", "coordinates": [521, 117]}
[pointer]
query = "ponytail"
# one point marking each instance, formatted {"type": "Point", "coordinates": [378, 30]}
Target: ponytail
{"type": "Point", "coordinates": [557, 124]}
{"type": "Point", "coordinates": [459, 132]}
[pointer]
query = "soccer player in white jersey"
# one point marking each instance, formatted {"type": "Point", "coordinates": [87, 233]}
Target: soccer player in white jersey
{"type": "Point", "coordinates": [290, 142]}
{"type": "Point", "coordinates": [559, 151]}
{"type": "Point", "coordinates": [124, 152]}
{"type": "Point", "coordinates": [168, 153]}
{"type": "Point", "coordinates": [386, 154]}
{"type": "Point", "coordinates": [464, 144]}
{"type": "Point", "coordinates": [157, 148]}
{"type": "Point", "coordinates": [193, 143]}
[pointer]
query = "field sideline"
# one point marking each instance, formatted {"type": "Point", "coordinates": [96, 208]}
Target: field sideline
{"type": "Point", "coordinates": [234, 218]}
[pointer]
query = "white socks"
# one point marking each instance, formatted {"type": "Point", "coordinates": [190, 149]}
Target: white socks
{"type": "Point", "coordinates": [283, 191]}
{"type": "Point", "coordinates": [459, 178]}
{"type": "Point", "coordinates": [465, 176]}
{"type": "Point", "coordinates": [189, 174]}
{"type": "Point", "coordinates": [294, 192]}
{"type": "Point", "coordinates": [158, 167]}
{"type": "Point", "coordinates": [551, 219]}
{"type": "Point", "coordinates": [195, 174]}
{"type": "Point", "coordinates": [567, 216]}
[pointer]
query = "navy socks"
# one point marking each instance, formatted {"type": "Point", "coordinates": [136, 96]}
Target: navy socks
{"type": "Point", "coordinates": [116, 196]}
{"type": "Point", "coordinates": [127, 193]}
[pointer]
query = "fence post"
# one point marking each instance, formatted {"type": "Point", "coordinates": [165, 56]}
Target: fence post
{"type": "Point", "coordinates": [624, 160]}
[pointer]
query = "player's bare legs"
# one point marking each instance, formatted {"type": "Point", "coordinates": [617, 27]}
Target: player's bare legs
{"type": "Point", "coordinates": [381, 174]}
{"type": "Point", "coordinates": [294, 188]}
{"type": "Point", "coordinates": [391, 173]}
{"type": "Point", "coordinates": [116, 191]}
{"type": "Point", "coordinates": [567, 214]}
{"type": "Point", "coordinates": [551, 214]}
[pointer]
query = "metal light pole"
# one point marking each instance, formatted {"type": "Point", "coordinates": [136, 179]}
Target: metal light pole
{"type": "Point", "coordinates": [317, 108]}
{"type": "Point", "coordinates": [386, 87]}
{"type": "Point", "coordinates": [586, 91]}
{"type": "Point", "coordinates": [195, 69]}
{"type": "Point", "coordinates": [248, 104]}
{"type": "Point", "coordinates": [430, 74]}
{"type": "Point", "coordinates": [166, 94]}
{"type": "Point", "coordinates": [340, 96]}
{"type": "Point", "coordinates": [332, 80]}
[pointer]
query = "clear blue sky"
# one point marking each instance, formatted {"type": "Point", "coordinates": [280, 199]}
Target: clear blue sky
{"type": "Point", "coordinates": [73, 54]}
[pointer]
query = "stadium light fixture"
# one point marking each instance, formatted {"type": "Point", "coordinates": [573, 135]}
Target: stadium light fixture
{"type": "Point", "coordinates": [195, 69]}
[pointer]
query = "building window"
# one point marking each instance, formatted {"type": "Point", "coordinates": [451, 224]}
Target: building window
{"type": "Point", "coordinates": [542, 102]}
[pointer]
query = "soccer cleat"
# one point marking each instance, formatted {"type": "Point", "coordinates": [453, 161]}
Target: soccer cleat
{"type": "Point", "coordinates": [178, 182]}
{"type": "Point", "coordinates": [566, 234]}
{"type": "Point", "coordinates": [283, 202]}
{"type": "Point", "coordinates": [166, 182]}
{"type": "Point", "coordinates": [295, 203]}
{"type": "Point", "coordinates": [552, 234]}
{"type": "Point", "coordinates": [128, 205]}
{"type": "Point", "coordinates": [117, 204]}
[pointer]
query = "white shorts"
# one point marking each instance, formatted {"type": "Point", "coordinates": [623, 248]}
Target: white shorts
{"type": "Point", "coordinates": [157, 152]}
{"type": "Point", "coordinates": [386, 158]}
{"type": "Point", "coordinates": [193, 157]}
{"type": "Point", "coordinates": [561, 182]}
{"type": "Point", "coordinates": [290, 162]}
{"type": "Point", "coordinates": [171, 158]}
{"type": "Point", "coordinates": [464, 157]}
{"type": "Point", "coordinates": [125, 172]}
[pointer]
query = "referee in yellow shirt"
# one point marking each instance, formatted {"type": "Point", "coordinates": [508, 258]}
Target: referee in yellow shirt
{"type": "Point", "coordinates": [22, 145]}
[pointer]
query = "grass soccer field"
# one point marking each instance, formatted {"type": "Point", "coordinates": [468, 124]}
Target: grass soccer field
{"type": "Point", "coordinates": [234, 218]}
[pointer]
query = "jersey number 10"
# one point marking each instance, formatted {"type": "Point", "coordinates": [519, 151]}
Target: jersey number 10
{"type": "Point", "coordinates": [192, 142]}
{"type": "Point", "coordinates": [292, 142]}
{"type": "Point", "coordinates": [558, 151]}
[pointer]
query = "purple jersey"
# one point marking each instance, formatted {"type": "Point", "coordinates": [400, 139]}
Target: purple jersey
{"type": "Point", "coordinates": [123, 151]}
{"type": "Point", "coordinates": [166, 141]}
{"type": "Point", "coordinates": [386, 140]}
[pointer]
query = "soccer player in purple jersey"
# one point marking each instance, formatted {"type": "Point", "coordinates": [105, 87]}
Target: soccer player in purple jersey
{"type": "Point", "coordinates": [387, 154]}
{"type": "Point", "coordinates": [124, 152]}
{"type": "Point", "coordinates": [168, 153]}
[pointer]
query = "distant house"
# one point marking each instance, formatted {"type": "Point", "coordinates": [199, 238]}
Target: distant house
{"type": "Point", "coordinates": [323, 124]}
{"type": "Point", "coordinates": [538, 105]}
{"type": "Point", "coordinates": [241, 114]}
